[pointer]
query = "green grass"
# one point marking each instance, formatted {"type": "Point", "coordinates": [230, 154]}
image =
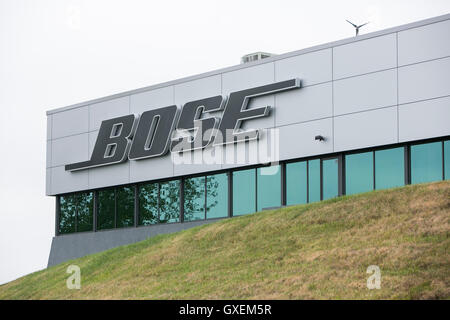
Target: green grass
{"type": "Point", "coordinates": [317, 251]}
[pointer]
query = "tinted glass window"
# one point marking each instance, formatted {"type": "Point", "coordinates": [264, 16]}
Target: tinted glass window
{"type": "Point", "coordinates": [169, 201]}
{"type": "Point", "coordinates": [125, 207]}
{"type": "Point", "coordinates": [106, 209]}
{"type": "Point", "coordinates": [148, 204]}
{"type": "Point", "coordinates": [330, 178]}
{"type": "Point", "coordinates": [217, 196]}
{"type": "Point", "coordinates": [359, 172]}
{"type": "Point", "coordinates": [244, 192]}
{"type": "Point", "coordinates": [314, 180]}
{"type": "Point", "coordinates": [389, 168]}
{"type": "Point", "coordinates": [85, 211]}
{"type": "Point", "coordinates": [269, 187]}
{"type": "Point", "coordinates": [426, 162]}
{"type": "Point", "coordinates": [447, 158]}
{"type": "Point", "coordinates": [296, 183]}
{"type": "Point", "coordinates": [194, 199]}
{"type": "Point", "coordinates": [68, 209]}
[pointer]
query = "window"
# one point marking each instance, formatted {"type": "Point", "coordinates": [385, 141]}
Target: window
{"type": "Point", "coordinates": [314, 180]}
{"type": "Point", "coordinates": [125, 207]}
{"type": "Point", "coordinates": [217, 196]}
{"type": "Point", "coordinates": [244, 192]}
{"type": "Point", "coordinates": [169, 201]}
{"type": "Point", "coordinates": [330, 175]}
{"type": "Point", "coordinates": [148, 204]}
{"type": "Point", "coordinates": [76, 212]}
{"type": "Point", "coordinates": [85, 211]}
{"type": "Point", "coordinates": [296, 183]}
{"type": "Point", "coordinates": [67, 215]}
{"type": "Point", "coordinates": [194, 199]}
{"type": "Point", "coordinates": [426, 162]}
{"type": "Point", "coordinates": [269, 187]}
{"type": "Point", "coordinates": [359, 172]}
{"type": "Point", "coordinates": [106, 209]}
{"type": "Point", "coordinates": [447, 159]}
{"type": "Point", "coordinates": [389, 168]}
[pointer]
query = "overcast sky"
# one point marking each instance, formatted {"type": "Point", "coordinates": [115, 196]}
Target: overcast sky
{"type": "Point", "coordinates": [57, 53]}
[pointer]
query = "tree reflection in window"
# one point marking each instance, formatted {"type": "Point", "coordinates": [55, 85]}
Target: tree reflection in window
{"type": "Point", "coordinates": [125, 207]}
{"type": "Point", "coordinates": [169, 201]}
{"type": "Point", "coordinates": [76, 213]}
{"type": "Point", "coordinates": [85, 212]}
{"type": "Point", "coordinates": [194, 199]}
{"type": "Point", "coordinates": [216, 197]}
{"type": "Point", "coordinates": [106, 209]}
{"type": "Point", "coordinates": [148, 204]}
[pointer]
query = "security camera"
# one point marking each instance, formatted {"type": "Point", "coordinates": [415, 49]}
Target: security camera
{"type": "Point", "coordinates": [320, 138]}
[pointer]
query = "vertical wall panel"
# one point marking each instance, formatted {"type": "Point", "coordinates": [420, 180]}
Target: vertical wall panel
{"type": "Point", "coordinates": [311, 68]}
{"type": "Point", "coordinates": [49, 127]}
{"type": "Point", "coordinates": [370, 91]}
{"type": "Point", "coordinates": [425, 119]}
{"type": "Point", "coordinates": [70, 149]}
{"type": "Point", "coordinates": [365, 56]}
{"type": "Point", "coordinates": [153, 99]}
{"type": "Point", "coordinates": [107, 110]}
{"type": "Point", "coordinates": [71, 122]}
{"type": "Point", "coordinates": [304, 104]}
{"type": "Point", "coordinates": [365, 129]}
{"type": "Point", "coordinates": [424, 81]}
{"type": "Point", "coordinates": [424, 43]}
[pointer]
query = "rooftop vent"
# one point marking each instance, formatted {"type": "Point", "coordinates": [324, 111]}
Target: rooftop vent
{"type": "Point", "coordinates": [255, 56]}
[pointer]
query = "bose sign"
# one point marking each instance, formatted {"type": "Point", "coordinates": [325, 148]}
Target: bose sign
{"type": "Point", "coordinates": [150, 134]}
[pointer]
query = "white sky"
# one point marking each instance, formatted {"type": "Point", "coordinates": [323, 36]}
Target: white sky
{"type": "Point", "coordinates": [55, 53]}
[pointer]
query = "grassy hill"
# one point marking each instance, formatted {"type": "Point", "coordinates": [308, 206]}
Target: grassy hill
{"type": "Point", "coordinates": [318, 251]}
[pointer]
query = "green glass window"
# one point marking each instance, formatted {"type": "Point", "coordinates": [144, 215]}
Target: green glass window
{"type": "Point", "coordinates": [389, 168]}
{"type": "Point", "coordinates": [148, 204]}
{"type": "Point", "coordinates": [269, 187]}
{"type": "Point", "coordinates": [67, 214]}
{"type": "Point", "coordinates": [330, 176]}
{"type": "Point", "coordinates": [426, 162]}
{"type": "Point", "coordinates": [314, 180]}
{"type": "Point", "coordinates": [217, 196]}
{"type": "Point", "coordinates": [85, 211]}
{"type": "Point", "coordinates": [169, 201]}
{"type": "Point", "coordinates": [106, 209]}
{"type": "Point", "coordinates": [244, 192]}
{"type": "Point", "coordinates": [125, 207]}
{"type": "Point", "coordinates": [194, 199]}
{"type": "Point", "coordinates": [359, 172]}
{"type": "Point", "coordinates": [447, 159]}
{"type": "Point", "coordinates": [296, 183]}
{"type": "Point", "coordinates": [76, 212]}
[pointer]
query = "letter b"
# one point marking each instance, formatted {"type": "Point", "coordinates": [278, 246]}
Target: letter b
{"type": "Point", "coordinates": [112, 143]}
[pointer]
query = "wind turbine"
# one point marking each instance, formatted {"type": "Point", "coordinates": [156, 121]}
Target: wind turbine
{"type": "Point", "coordinates": [357, 27]}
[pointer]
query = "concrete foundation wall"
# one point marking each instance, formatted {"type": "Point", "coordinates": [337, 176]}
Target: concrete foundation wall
{"type": "Point", "coordinates": [72, 246]}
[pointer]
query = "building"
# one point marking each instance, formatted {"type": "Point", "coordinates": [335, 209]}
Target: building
{"type": "Point", "coordinates": [359, 114]}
